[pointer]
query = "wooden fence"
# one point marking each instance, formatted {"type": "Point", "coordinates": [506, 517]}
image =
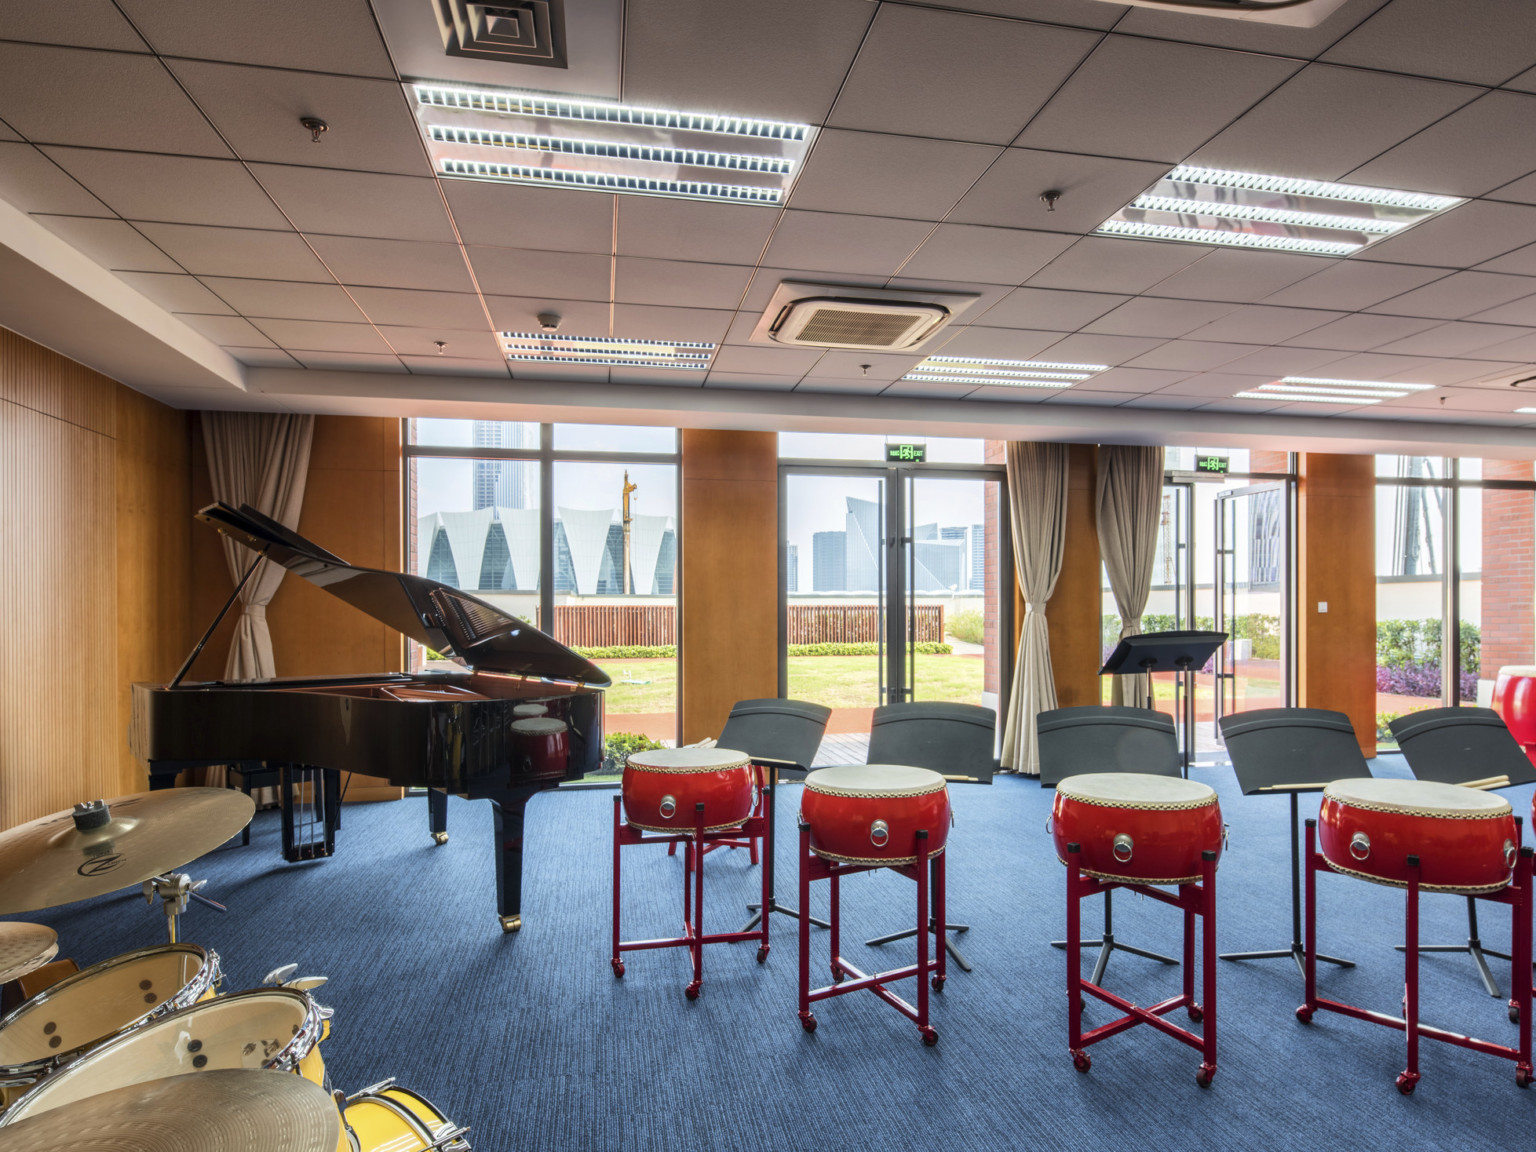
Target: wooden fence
{"type": "Point", "coordinates": [854, 623]}
{"type": "Point", "coordinates": [616, 625]}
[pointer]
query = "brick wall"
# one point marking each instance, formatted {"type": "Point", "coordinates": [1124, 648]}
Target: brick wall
{"type": "Point", "coordinates": [996, 453]}
{"type": "Point", "coordinates": [1509, 569]}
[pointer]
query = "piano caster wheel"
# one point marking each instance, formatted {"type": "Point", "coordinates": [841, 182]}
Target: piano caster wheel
{"type": "Point", "coordinates": [440, 837]}
{"type": "Point", "coordinates": [511, 923]}
{"type": "Point", "coordinates": [930, 1037]}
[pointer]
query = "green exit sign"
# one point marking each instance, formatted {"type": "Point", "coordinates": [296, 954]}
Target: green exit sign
{"type": "Point", "coordinates": [1213, 465]}
{"type": "Point", "coordinates": [905, 453]}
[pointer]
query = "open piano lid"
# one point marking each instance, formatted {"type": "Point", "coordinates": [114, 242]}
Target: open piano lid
{"type": "Point", "coordinates": [436, 615]}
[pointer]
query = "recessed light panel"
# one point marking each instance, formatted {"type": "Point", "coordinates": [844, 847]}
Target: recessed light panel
{"type": "Point", "coordinates": [606, 350]}
{"type": "Point", "coordinates": [1526, 411]}
{"type": "Point", "coordinates": [1328, 390]}
{"type": "Point", "coordinates": [538, 138]}
{"type": "Point", "coordinates": [1005, 373]}
{"type": "Point", "coordinates": [1252, 210]}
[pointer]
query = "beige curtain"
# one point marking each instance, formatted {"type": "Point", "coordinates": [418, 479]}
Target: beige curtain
{"type": "Point", "coordinates": [1037, 497]}
{"type": "Point", "coordinates": [1130, 500]}
{"type": "Point", "coordinates": [260, 459]}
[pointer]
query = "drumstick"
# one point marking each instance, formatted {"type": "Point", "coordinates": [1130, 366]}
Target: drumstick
{"type": "Point", "coordinates": [1485, 784]}
{"type": "Point", "coordinates": [1291, 788]}
{"type": "Point", "coordinates": [962, 779]}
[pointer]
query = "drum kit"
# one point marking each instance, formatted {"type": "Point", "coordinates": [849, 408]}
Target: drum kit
{"type": "Point", "coordinates": [101, 1059]}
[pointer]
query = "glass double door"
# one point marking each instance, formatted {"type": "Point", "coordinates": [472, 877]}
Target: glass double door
{"type": "Point", "coordinates": [892, 588]}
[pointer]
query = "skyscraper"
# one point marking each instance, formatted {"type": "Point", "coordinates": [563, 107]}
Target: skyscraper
{"type": "Point", "coordinates": [829, 559]}
{"type": "Point", "coordinates": [862, 568]}
{"type": "Point", "coordinates": [978, 580]}
{"type": "Point", "coordinates": [505, 483]}
{"type": "Point", "coordinates": [959, 533]}
{"type": "Point", "coordinates": [792, 564]}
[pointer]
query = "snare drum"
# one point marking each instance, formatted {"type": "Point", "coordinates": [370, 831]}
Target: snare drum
{"type": "Point", "coordinates": [542, 747]}
{"type": "Point", "coordinates": [871, 813]}
{"type": "Point", "coordinates": [100, 1002]}
{"type": "Point", "coordinates": [277, 1028]}
{"type": "Point", "coordinates": [1466, 840]}
{"type": "Point", "coordinates": [662, 786]}
{"type": "Point", "coordinates": [1137, 828]}
{"type": "Point", "coordinates": [389, 1118]}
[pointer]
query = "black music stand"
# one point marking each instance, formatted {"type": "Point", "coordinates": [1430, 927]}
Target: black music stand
{"type": "Point", "coordinates": [1289, 751]}
{"type": "Point", "coordinates": [1471, 747]}
{"type": "Point", "coordinates": [1182, 651]}
{"type": "Point", "coordinates": [1107, 739]}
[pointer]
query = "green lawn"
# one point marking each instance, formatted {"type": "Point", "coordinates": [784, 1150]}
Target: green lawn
{"type": "Point", "coordinates": [660, 695]}
{"type": "Point", "coordinates": [853, 681]}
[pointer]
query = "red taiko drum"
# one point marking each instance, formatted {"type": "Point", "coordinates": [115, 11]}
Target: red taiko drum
{"type": "Point", "coordinates": [1466, 840]}
{"type": "Point", "coordinates": [1134, 827]}
{"type": "Point", "coordinates": [871, 813]}
{"type": "Point", "coordinates": [542, 746]}
{"type": "Point", "coordinates": [1514, 698]}
{"type": "Point", "coordinates": [662, 787]}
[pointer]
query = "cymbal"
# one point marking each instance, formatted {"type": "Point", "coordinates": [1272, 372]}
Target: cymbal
{"type": "Point", "coordinates": [24, 947]}
{"type": "Point", "coordinates": [107, 845]}
{"type": "Point", "coordinates": [228, 1110]}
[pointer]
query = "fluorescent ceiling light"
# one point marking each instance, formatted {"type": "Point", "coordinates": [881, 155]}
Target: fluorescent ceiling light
{"type": "Point", "coordinates": [1526, 411]}
{"type": "Point", "coordinates": [607, 147]}
{"type": "Point", "coordinates": [1000, 382]}
{"type": "Point", "coordinates": [1304, 399]}
{"type": "Point", "coordinates": [1002, 373]}
{"type": "Point", "coordinates": [1284, 213]}
{"type": "Point", "coordinates": [616, 352]}
{"type": "Point", "coordinates": [1017, 363]}
{"type": "Point", "coordinates": [1355, 383]}
{"type": "Point", "coordinates": [1310, 389]}
{"type": "Point", "coordinates": [977, 368]}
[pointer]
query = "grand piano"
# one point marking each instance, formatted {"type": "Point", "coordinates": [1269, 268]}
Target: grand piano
{"type": "Point", "coordinates": [523, 714]}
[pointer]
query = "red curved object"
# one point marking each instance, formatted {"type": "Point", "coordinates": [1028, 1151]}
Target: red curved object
{"type": "Point", "coordinates": [662, 787]}
{"type": "Point", "coordinates": [1514, 698]}
{"type": "Point", "coordinates": [1144, 829]}
{"type": "Point", "coordinates": [871, 813]}
{"type": "Point", "coordinates": [542, 745]}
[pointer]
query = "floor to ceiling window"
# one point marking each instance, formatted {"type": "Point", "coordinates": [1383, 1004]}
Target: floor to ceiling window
{"type": "Point", "coordinates": [571, 527]}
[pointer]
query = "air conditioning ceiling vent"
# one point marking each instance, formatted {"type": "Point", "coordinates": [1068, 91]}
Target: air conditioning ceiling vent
{"type": "Point", "coordinates": [826, 316]}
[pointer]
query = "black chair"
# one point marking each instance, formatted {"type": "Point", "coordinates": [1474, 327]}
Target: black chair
{"type": "Point", "coordinates": [782, 736]}
{"type": "Point", "coordinates": [1469, 746]}
{"type": "Point", "coordinates": [1291, 751]}
{"type": "Point", "coordinates": [1095, 738]}
{"type": "Point", "coordinates": [958, 741]}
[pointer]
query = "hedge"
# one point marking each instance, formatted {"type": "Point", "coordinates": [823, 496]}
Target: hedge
{"type": "Point", "coordinates": [867, 648]}
{"type": "Point", "coordinates": [636, 652]}
{"type": "Point", "coordinates": [967, 625]}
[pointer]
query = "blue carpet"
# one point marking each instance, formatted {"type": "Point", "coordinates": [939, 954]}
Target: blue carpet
{"type": "Point", "coordinates": [531, 1041]}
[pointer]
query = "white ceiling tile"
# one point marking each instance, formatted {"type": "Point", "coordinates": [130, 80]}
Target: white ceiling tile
{"type": "Point", "coordinates": [1380, 366]}
{"type": "Point", "coordinates": [450, 366]}
{"type": "Point", "coordinates": [676, 229]}
{"type": "Point", "coordinates": [848, 387]}
{"type": "Point", "coordinates": [263, 358]}
{"type": "Point", "coordinates": [111, 243]}
{"type": "Point", "coordinates": [998, 343]}
{"type": "Point", "coordinates": [1047, 308]}
{"type": "Point", "coordinates": [967, 252]}
{"type": "Point", "coordinates": [175, 189]}
{"type": "Point", "coordinates": [1470, 152]}
{"type": "Point", "coordinates": [1149, 316]}
{"type": "Point", "coordinates": [422, 341]}
{"type": "Point", "coordinates": [1522, 191]}
{"type": "Point", "coordinates": [522, 272]}
{"type": "Point", "coordinates": [1520, 262]}
{"type": "Point", "coordinates": [1113, 264]}
{"type": "Point", "coordinates": [1361, 332]}
{"type": "Point", "coordinates": [574, 373]}
{"type": "Point", "coordinates": [1459, 371]}
{"type": "Point", "coordinates": [1209, 384]}
{"type": "Point", "coordinates": [1131, 381]}
{"type": "Point", "coordinates": [1521, 312]}
{"type": "Point", "coordinates": [831, 242]}
{"type": "Point", "coordinates": [79, 23]}
{"type": "Point", "coordinates": [640, 321]}
{"type": "Point", "coordinates": [285, 299]}
{"type": "Point", "coordinates": [1457, 295]}
{"type": "Point", "coordinates": [1468, 234]}
{"type": "Point", "coordinates": [513, 216]}
{"type": "Point", "coordinates": [1074, 12]}
{"type": "Point", "coordinates": [840, 364]}
{"type": "Point", "coordinates": [1093, 188]}
{"type": "Point", "coordinates": [334, 37]}
{"type": "Point", "coordinates": [1454, 339]}
{"type": "Point", "coordinates": [8, 133]}
{"type": "Point", "coordinates": [685, 284]}
{"type": "Point", "coordinates": [917, 390]}
{"type": "Point", "coordinates": [1299, 130]}
{"type": "Point", "coordinates": [1276, 362]}
{"type": "Point", "coordinates": [1083, 348]}
{"type": "Point", "coordinates": [786, 362]}
{"type": "Point", "coordinates": [1244, 405]}
{"type": "Point", "coordinates": [1138, 98]}
{"type": "Point", "coordinates": [323, 336]}
{"type": "Point", "coordinates": [258, 110]}
{"type": "Point", "coordinates": [29, 180]}
{"type": "Point", "coordinates": [1073, 396]}
{"type": "Point", "coordinates": [394, 263]}
{"type": "Point", "coordinates": [327, 200]}
{"type": "Point", "coordinates": [1237, 277]}
{"type": "Point", "coordinates": [56, 96]}
{"type": "Point", "coordinates": [1520, 348]}
{"type": "Point", "coordinates": [699, 56]}
{"type": "Point", "coordinates": [880, 175]}
{"type": "Point", "coordinates": [750, 381]}
{"type": "Point", "coordinates": [233, 330]}
{"type": "Point", "coordinates": [1038, 396]}
{"type": "Point", "coordinates": [349, 362]}
{"type": "Point", "coordinates": [923, 72]}
{"type": "Point", "coordinates": [1478, 41]}
{"type": "Point", "coordinates": [984, 295]}
{"type": "Point", "coordinates": [1350, 284]}
{"type": "Point", "coordinates": [238, 252]}
{"type": "Point", "coordinates": [521, 313]}
{"type": "Point", "coordinates": [767, 280]}
{"type": "Point", "coordinates": [458, 310]}
{"type": "Point", "coordinates": [176, 292]}
{"type": "Point", "coordinates": [1193, 355]}
{"type": "Point", "coordinates": [656, 376]}
{"type": "Point", "coordinates": [1263, 324]}
{"type": "Point", "coordinates": [1251, 35]}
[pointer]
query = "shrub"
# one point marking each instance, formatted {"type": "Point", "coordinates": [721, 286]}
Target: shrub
{"type": "Point", "coordinates": [633, 652]}
{"type": "Point", "coordinates": [866, 648]}
{"type": "Point", "coordinates": [967, 626]}
{"type": "Point", "coordinates": [1420, 680]}
{"type": "Point", "coordinates": [1383, 729]}
{"type": "Point", "coordinates": [1401, 643]}
{"type": "Point", "coordinates": [618, 746]}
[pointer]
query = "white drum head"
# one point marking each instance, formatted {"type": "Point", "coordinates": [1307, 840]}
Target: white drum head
{"type": "Point", "coordinates": [529, 709]}
{"type": "Point", "coordinates": [1136, 790]}
{"type": "Point", "coordinates": [1518, 670]}
{"type": "Point", "coordinates": [687, 760]}
{"type": "Point", "coordinates": [539, 726]}
{"type": "Point", "coordinates": [874, 780]}
{"type": "Point", "coordinates": [1417, 797]}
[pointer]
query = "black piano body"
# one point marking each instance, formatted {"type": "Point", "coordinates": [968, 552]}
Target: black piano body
{"type": "Point", "coordinates": [523, 715]}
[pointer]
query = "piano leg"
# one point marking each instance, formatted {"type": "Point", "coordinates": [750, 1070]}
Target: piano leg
{"type": "Point", "coordinates": [437, 814]}
{"type": "Point", "coordinates": [509, 855]}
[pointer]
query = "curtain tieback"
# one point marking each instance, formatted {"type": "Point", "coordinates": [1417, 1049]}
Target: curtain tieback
{"type": "Point", "coordinates": [1031, 608]}
{"type": "Point", "coordinates": [255, 611]}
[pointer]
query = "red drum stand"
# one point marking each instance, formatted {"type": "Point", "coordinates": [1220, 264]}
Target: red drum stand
{"type": "Point", "coordinates": [696, 843]}
{"type": "Point", "coordinates": [1193, 900]}
{"type": "Point", "coordinates": [1517, 895]}
{"type": "Point", "coordinates": [845, 977]}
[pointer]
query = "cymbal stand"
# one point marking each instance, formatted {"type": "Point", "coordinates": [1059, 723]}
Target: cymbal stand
{"type": "Point", "coordinates": [174, 891]}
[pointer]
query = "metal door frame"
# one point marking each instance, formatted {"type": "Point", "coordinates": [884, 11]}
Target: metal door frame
{"type": "Point", "coordinates": [1184, 540]}
{"type": "Point", "coordinates": [1226, 676]}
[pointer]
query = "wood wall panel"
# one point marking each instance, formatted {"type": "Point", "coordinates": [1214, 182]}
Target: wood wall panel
{"type": "Point", "coordinates": [1075, 608]}
{"type": "Point", "coordinates": [1336, 549]}
{"type": "Point", "coordinates": [730, 586]}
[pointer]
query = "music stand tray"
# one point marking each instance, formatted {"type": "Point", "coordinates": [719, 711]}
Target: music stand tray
{"type": "Point", "coordinates": [1183, 651]}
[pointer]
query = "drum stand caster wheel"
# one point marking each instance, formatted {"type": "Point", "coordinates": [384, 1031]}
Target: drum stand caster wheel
{"type": "Point", "coordinates": [1304, 1014]}
{"type": "Point", "coordinates": [1523, 1077]}
{"type": "Point", "coordinates": [1197, 1014]}
{"type": "Point", "coordinates": [837, 974]}
{"type": "Point", "coordinates": [1514, 1012]}
{"type": "Point", "coordinates": [618, 968]}
{"type": "Point", "coordinates": [930, 1037]}
{"type": "Point", "coordinates": [938, 983]}
{"type": "Point", "coordinates": [1081, 1060]}
{"type": "Point", "coordinates": [692, 991]}
{"type": "Point", "coordinates": [1206, 1074]}
{"type": "Point", "coordinates": [808, 1022]}
{"type": "Point", "coordinates": [1406, 1082]}
{"type": "Point", "coordinates": [440, 837]}
{"type": "Point", "coordinates": [762, 954]}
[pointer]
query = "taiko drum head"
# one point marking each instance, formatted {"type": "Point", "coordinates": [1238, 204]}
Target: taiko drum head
{"type": "Point", "coordinates": [1136, 827]}
{"type": "Point", "coordinates": [871, 813]}
{"type": "Point", "coordinates": [662, 787]}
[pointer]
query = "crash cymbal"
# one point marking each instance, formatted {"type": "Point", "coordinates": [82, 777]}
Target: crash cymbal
{"type": "Point", "coordinates": [106, 845]}
{"type": "Point", "coordinates": [229, 1110]}
{"type": "Point", "coordinates": [24, 947]}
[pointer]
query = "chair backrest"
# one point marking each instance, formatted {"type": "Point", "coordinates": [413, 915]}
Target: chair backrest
{"type": "Point", "coordinates": [785, 732]}
{"type": "Point", "coordinates": [1096, 738]}
{"type": "Point", "coordinates": [1455, 745]}
{"type": "Point", "coordinates": [1271, 746]}
{"type": "Point", "coordinates": [951, 739]}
